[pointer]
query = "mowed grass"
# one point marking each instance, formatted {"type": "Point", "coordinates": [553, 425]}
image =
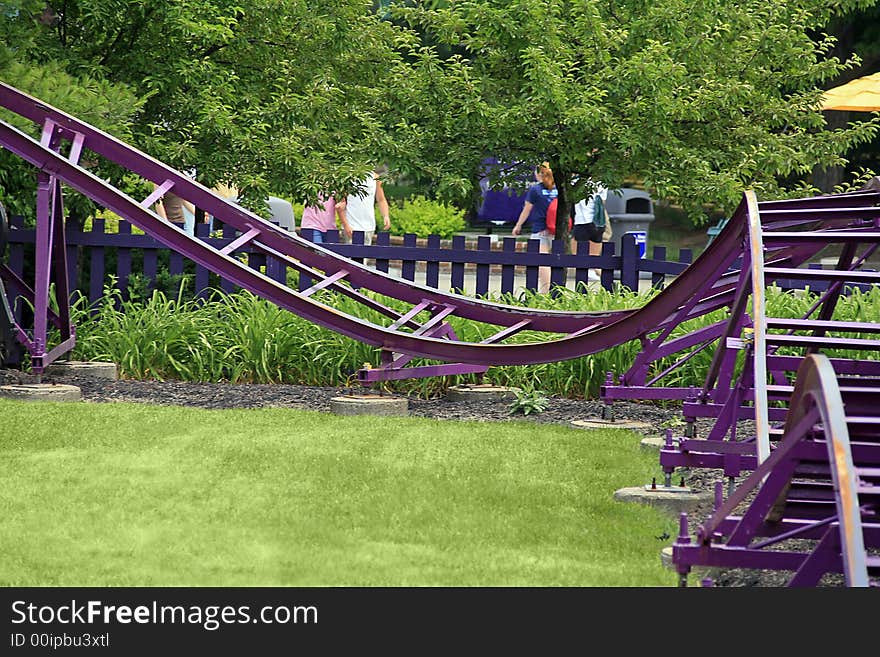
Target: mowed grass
{"type": "Point", "coordinates": [138, 495]}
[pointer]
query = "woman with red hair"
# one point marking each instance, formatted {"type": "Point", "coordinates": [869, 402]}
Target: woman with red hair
{"type": "Point", "coordinates": [538, 199]}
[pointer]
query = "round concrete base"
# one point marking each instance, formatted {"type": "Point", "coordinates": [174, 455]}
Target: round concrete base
{"type": "Point", "coordinates": [481, 392]}
{"type": "Point", "coordinates": [596, 423]}
{"type": "Point", "coordinates": [41, 392]}
{"type": "Point", "coordinates": [369, 405]}
{"type": "Point", "coordinates": [94, 369]}
{"type": "Point", "coordinates": [673, 500]}
{"type": "Point", "coordinates": [653, 443]}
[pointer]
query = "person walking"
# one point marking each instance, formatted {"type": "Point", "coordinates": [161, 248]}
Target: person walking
{"type": "Point", "coordinates": [360, 208]}
{"type": "Point", "coordinates": [322, 217]}
{"type": "Point", "coordinates": [584, 228]}
{"type": "Point", "coordinates": [175, 209]}
{"type": "Point", "coordinates": [538, 199]}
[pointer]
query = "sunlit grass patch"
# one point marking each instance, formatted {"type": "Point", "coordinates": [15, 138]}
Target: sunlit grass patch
{"type": "Point", "coordinates": [129, 494]}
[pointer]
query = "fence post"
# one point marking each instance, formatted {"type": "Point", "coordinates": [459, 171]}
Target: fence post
{"type": "Point", "coordinates": [123, 260]}
{"type": "Point", "coordinates": [357, 239]}
{"type": "Point", "coordinates": [686, 256]}
{"type": "Point", "coordinates": [408, 267]}
{"type": "Point", "coordinates": [72, 257]}
{"type": "Point", "coordinates": [582, 273]}
{"type": "Point", "coordinates": [484, 244]}
{"type": "Point", "coordinates": [16, 262]}
{"type": "Point", "coordinates": [532, 246]}
{"type": "Point", "coordinates": [458, 253]}
{"type": "Point", "coordinates": [629, 265]}
{"type": "Point", "coordinates": [305, 281]}
{"type": "Point", "coordinates": [97, 263]}
{"type": "Point", "coordinates": [508, 272]}
{"type": "Point", "coordinates": [432, 268]}
{"type": "Point", "coordinates": [607, 275]}
{"type": "Point", "coordinates": [229, 233]}
{"type": "Point", "coordinates": [151, 267]}
{"type": "Point", "coordinates": [658, 281]}
{"type": "Point", "coordinates": [203, 276]}
{"type": "Point", "coordinates": [383, 239]}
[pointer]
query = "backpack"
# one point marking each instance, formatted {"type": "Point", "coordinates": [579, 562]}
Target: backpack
{"type": "Point", "coordinates": [551, 217]}
{"type": "Point", "coordinates": [599, 212]}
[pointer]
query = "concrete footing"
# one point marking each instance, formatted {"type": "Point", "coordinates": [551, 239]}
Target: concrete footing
{"type": "Point", "coordinates": [369, 405]}
{"type": "Point", "coordinates": [674, 499]}
{"type": "Point", "coordinates": [481, 392]}
{"type": "Point", "coordinates": [597, 423]}
{"type": "Point", "coordinates": [653, 443]}
{"type": "Point", "coordinates": [94, 369]}
{"type": "Point", "coordinates": [41, 392]}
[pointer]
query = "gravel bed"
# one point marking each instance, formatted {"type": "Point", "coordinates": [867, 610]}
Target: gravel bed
{"type": "Point", "coordinates": [317, 398]}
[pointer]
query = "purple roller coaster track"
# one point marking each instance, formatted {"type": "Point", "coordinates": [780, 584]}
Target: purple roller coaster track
{"type": "Point", "coordinates": [814, 455]}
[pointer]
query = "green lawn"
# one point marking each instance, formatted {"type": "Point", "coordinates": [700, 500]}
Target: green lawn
{"type": "Point", "coordinates": [137, 495]}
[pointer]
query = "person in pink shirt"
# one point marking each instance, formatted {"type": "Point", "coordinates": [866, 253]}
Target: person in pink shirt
{"type": "Point", "coordinates": [322, 217]}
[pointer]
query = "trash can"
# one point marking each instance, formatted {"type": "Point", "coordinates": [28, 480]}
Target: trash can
{"type": "Point", "coordinates": [630, 211]}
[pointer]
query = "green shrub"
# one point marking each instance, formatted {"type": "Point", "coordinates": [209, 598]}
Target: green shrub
{"type": "Point", "coordinates": [529, 401]}
{"type": "Point", "coordinates": [424, 217]}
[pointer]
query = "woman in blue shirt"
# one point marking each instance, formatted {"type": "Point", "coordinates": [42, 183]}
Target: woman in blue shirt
{"type": "Point", "coordinates": [538, 199]}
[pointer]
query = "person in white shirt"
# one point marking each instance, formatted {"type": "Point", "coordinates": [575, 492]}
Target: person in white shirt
{"type": "Point", "coordinates": [583, 228]}
{"type": "Point", "coordinates": [360, 209]}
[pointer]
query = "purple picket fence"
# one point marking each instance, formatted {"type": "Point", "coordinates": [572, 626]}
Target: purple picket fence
{"type": "Point", "coordinates": [473, 269]}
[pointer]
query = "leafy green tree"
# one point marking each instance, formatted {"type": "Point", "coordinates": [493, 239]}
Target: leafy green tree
{"type": "Point", "coordinates": [696, 98]}
{"type": "Point", "coordinates": [859, 33]}
{"type": "Point", "coordinates": [111, 107]}
{"type": "Point", "coordinates": [275, 97]}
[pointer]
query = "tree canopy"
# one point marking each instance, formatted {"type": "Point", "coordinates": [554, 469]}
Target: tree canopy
{"type": "Point", "coordinates": [276, 97]}
{"type": "Point", "coordinates": [696, 98]}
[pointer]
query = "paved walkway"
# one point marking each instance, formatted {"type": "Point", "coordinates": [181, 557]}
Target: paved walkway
{"type": "Point", "coordinates": [495, 281]}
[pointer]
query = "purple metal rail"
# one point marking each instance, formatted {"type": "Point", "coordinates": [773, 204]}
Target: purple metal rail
{"type": "Point", "coordinates": [571, 334]}
{"type": "Point", "coordinates": [820, 485]}
{"type": "Point", "coordinates": [775, 236]}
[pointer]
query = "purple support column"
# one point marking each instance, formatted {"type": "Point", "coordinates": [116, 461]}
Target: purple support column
{"type": "Point", "coordinates": [43, 250]}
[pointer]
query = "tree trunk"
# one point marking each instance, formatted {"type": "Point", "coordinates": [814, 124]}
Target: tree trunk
{"type": "Point", "coordinates": [563, 207]}
{"type": "Point", "coordinates": [827, 179]}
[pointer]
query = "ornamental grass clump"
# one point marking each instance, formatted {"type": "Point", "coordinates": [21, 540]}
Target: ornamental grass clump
{"type": "Point", "coordinates": [241, 338]}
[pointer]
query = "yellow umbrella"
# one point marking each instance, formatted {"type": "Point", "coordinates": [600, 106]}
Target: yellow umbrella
{"type": "Point", "coordinates": [859, 95]}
